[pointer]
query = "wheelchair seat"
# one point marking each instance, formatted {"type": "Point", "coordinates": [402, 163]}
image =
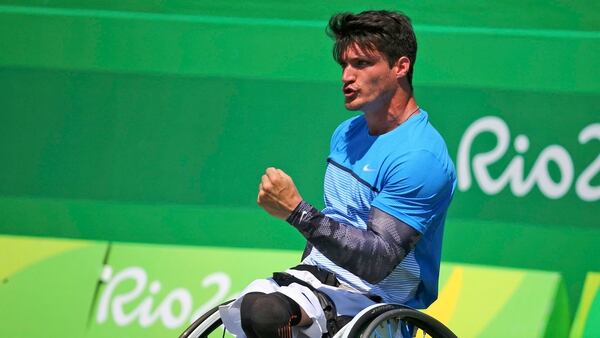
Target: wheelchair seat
{"type": "Point", "coordinates": [376, 321]}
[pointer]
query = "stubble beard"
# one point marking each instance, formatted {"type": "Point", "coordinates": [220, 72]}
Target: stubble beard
{"type": "Point", "coordinates": [352, 105]}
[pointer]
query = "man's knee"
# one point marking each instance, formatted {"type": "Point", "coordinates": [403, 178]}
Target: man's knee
{"type": "Point", "coordinates": [268, 315]}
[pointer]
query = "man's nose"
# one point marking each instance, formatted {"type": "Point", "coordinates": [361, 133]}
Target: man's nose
{"type": "Point", "coordinates": [348, 75]}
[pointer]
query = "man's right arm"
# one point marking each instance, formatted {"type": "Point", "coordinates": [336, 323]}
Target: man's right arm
{"type": "Point", "coordinates": [370, 254]}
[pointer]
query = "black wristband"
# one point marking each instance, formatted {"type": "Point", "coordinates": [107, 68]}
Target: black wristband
{"type": "Point", "coordinates": [301, 216]}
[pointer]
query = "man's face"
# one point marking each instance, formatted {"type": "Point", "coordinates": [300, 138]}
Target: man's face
{"type": "Point", "coordinates": [368, 80]}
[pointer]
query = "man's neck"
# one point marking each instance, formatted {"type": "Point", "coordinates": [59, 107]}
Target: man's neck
{"type": "Point", "coordinates": [399, 109]}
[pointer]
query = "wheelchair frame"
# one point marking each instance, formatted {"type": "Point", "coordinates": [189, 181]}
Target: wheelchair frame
{"type": "Point", "coordinates": [378, 321]}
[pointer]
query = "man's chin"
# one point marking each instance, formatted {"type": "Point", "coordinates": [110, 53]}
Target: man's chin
{"type": "Point", "coordinates": [351, 106]}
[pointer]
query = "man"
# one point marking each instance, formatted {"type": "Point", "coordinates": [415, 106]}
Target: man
{"type": "Point", "coordinates": [388, 184]}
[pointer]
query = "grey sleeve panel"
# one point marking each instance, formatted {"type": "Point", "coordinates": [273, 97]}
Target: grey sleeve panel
{"type": "Point", "coordinates": [370, 254]}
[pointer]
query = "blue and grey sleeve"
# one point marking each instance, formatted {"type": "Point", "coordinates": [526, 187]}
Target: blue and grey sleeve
{"type": "Point", "coordinates": [370, 254]}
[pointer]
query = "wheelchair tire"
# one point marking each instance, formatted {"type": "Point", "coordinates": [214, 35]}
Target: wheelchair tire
{"type": "Point", "coordinates": [205, 324]}
{"type": "Point", "coordinates": [388, 322]}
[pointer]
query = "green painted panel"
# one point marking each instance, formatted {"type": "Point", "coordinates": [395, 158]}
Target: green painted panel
{"type": "Point", "coordinates": [559, 320]}
{"type": "Point", "coordinates": [592, 329]}
{"type": "Point", "coordinates": [181, 224]}
{"type": "Point", "coordinates": [159, 139]}
{"type": "Point", "coordinates": [164, 139]}
{"type": "Point", "coordinates": [52, 296]}
{"type": "Point", "coordinates": [556, 15]}
{"type": "Point", "coordinates": [479, 301]}
{"type": "Point", "coordinates": [587, 318]}
{"type": "Point", "coordinates": [225, 46]}
{"type": "Point", "coordinates": [528, 246]}
{"type": "Point", "coordinates": [157, 291]}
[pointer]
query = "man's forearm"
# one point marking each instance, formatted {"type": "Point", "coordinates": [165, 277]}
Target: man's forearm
{"type": "Point", "coordinates": [370, 254]}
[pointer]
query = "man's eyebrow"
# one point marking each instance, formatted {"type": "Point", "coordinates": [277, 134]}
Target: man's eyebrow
{"type": "Point", "coordinates": [360, 58]}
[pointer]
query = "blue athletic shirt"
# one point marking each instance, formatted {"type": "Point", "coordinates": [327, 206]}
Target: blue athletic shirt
{"type": "Point", "coordinates": [405, 172]}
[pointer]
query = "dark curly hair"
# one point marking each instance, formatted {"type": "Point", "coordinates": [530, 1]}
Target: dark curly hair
{"type": "Point", "coordinates": [389, 33]}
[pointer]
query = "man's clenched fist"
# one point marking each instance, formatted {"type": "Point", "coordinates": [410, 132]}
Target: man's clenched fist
{"type": "Point", "coordinates": [277, 193]}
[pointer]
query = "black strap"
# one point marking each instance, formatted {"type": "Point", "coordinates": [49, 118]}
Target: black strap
{"type": "Point", "coordinates": [324, 276]}
{"type": "Point", "coordinates": [330, 278]}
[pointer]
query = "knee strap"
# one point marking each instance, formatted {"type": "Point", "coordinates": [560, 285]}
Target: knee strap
{"type": "Point", "coordinates": [268, 315]}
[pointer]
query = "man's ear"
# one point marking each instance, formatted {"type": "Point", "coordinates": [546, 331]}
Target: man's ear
{"type": "Point", "coordinates": [402, 65]}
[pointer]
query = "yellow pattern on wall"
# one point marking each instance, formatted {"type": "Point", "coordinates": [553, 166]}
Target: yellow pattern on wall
{"type": "Point", "coordinates": [444, 307]}
{"type": "Point", "coordinates": [17, 253]}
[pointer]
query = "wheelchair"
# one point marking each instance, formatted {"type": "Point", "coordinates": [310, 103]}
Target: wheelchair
{"type": "Point", "coordinates": [375, 321]}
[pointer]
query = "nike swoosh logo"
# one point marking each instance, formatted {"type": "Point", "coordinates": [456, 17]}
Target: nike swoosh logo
{"type": "Point", "coordinates": [366, 168]}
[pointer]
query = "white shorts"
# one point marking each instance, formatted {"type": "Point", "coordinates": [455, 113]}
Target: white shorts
{"type": "Point", "coordinates": [347, 302]}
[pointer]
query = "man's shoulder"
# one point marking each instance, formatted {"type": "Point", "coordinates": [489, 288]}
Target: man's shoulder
{"type": "Point", "coordinates": [419, 136]}
{"type": "Point", "coordinates": [420, 146]}
{"type": "Point", "coordinates": [352, 122]}
{"type": "Point", "coordinates": [351, 125]}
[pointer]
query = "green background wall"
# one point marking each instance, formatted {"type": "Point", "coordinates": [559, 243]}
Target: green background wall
{"type": "Point", "coordinates": [153, 122]}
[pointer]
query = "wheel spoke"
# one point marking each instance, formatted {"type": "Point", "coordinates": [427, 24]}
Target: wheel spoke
{"type": "Point", "coordinates": [390, 328]}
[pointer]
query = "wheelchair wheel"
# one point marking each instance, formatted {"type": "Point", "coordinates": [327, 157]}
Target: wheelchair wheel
{"type": "Point", "coordinates": [206, 326]}
{"type": "Point", "coordinates": [363, 319]}
{"type": "Point", "coordinates": [399, 322]}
